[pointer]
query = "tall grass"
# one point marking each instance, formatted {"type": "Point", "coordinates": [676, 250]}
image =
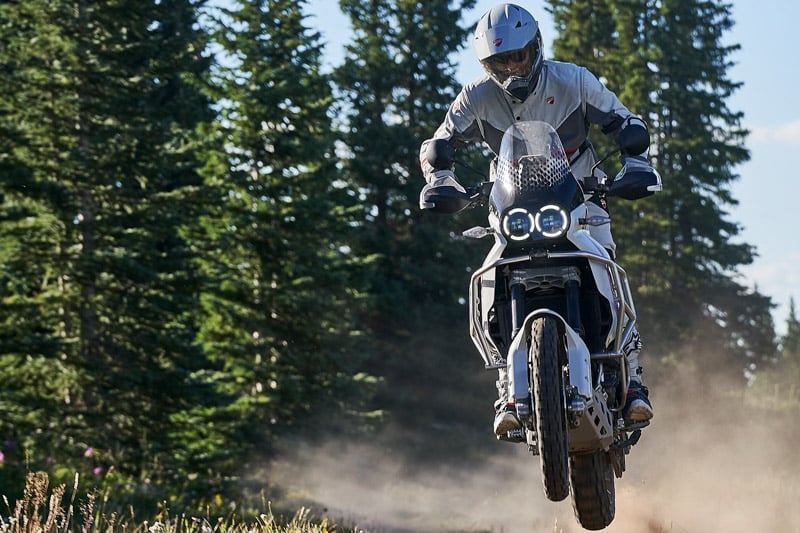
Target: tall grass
{"type": "Point", "coordinates": [43, 509]}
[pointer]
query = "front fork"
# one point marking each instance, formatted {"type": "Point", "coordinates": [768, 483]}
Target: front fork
{"type": "Point", "coordinates": [519, 311]}
{"type": "Point", "coordinates": [574, 404]}
{"type": "Point", "coordinates": [523, 406]}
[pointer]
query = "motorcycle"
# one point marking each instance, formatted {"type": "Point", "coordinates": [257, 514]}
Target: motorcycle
{"type": "Point", "coordinates": [551, 306]}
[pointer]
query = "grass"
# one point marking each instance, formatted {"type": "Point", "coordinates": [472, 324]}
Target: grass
{"type": "Point", "coordinates": [48, 510]}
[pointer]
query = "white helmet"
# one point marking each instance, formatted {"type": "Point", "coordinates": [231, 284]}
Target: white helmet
{"type": "Point", "coordinates": [509, 46]}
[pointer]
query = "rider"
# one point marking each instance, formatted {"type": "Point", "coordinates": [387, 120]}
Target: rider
{"type": "Point", "coordinates": [521, 85]}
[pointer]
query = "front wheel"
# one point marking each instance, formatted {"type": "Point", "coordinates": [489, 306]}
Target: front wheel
{"type": "Point", "coordinates": [546, 360]}
{"type": "Point", "coordinates": [593, 494]}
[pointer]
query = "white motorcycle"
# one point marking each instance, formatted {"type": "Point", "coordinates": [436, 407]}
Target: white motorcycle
{"type": "Point", "coordinates": [551, 306]}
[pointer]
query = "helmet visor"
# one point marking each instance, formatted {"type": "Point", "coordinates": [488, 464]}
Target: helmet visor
{"type": "Point", "coordinates": [514, 63]}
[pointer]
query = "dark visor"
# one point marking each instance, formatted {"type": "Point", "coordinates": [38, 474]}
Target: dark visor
{"type": "Point", "coordinates": [498, 65]}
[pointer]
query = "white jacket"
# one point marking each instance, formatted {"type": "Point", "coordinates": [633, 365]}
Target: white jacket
{"type": "Point", "coordinates": [567, 96]}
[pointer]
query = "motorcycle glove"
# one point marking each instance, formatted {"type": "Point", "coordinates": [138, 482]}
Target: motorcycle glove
{"type": "Point", "coordinates": [439, 178]}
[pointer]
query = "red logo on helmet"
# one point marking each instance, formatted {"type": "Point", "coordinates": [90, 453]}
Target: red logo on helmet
{"type": "Point", "coordinates": [498, 42]}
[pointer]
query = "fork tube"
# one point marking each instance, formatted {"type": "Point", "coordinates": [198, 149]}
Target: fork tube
{"type": "Point", "coordinates": [517, 307]}
{"type": "Point", "coordinates": [572, 289]}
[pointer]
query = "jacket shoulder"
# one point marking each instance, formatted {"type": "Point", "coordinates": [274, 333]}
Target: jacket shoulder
{"type": "Point", "coordinates": [564, 72]}
{"type": "Point", "coordinates": [480, 87]}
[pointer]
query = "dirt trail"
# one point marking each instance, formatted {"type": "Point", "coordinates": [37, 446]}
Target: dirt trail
{"type": "Point", "coordinates": [704, 466]}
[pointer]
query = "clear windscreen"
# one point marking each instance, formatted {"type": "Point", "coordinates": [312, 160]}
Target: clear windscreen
{"type": "Point", "coordinates": [532, 167]}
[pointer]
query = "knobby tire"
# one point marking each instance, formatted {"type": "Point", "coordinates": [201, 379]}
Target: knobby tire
{"type": "Point", "coordinates": [593, 494]}
{"type": "Point", "coordinates": [546, 359]}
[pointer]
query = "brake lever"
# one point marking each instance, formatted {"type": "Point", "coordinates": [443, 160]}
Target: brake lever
{"type": "Point", "coordinates": [479, 194]}
{"type": "Point", "coordinates": [591, 185]}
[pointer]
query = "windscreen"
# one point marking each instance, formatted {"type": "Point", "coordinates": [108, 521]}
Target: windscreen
{"type": "Point", "coordinates": [532, 168]}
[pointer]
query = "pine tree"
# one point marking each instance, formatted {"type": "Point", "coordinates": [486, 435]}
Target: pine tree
{"type": "Point", "coordinates": [279, 322]}
{"type": "Point", "coordinates": [396, 83]}
{"type": "Point", "coordinates": [106, 100]}
{"type": "Point", "coordinates": [700, 141]}
{"type": "Point", "coordinates": [790, 342]}
{"type": "Point", "coordinates": [584, 30]}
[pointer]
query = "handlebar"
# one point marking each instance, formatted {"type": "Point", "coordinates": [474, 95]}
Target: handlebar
{"type": "Point", "coordinates": [591, 185]}
{"type": "Point", "coordinates": [479, 194]}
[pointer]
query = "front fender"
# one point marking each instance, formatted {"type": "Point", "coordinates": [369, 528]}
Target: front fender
{"type": "Point", "coordinates": [580, 369]}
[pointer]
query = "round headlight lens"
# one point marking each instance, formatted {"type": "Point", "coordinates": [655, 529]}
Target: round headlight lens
{"type": "Point", "coordinates": [552, 221]}
{"type": "Point", "coordinates": [518, 224]}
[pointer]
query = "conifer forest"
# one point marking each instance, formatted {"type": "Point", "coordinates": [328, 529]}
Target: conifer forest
{"type": "Point", "coordinates": [211, 245]}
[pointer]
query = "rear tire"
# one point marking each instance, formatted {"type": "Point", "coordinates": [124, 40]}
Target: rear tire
{"type": "Point", "coordinates": [593, 494]}
{"type": "Point", "coordinates": [546, 360]}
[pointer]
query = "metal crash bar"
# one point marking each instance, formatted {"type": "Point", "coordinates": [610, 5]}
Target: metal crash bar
{"type": "Point", "coordinates": [621, 294]}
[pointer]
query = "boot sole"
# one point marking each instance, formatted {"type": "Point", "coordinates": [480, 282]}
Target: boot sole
{"type": "Point", "coordinates": [639, 412]}
{"type": "Point", "coordinates": [506, 424]}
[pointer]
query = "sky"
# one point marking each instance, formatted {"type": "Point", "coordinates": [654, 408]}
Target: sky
{"type": "Point", "coordinates": [769, 68]}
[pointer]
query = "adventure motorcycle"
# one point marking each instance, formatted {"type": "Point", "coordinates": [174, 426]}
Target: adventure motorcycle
{"type": "Point", "coordinates": [551, 306]}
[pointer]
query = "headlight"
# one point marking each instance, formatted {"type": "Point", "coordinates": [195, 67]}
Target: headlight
{"type": "Point", "coordinates": [551, 221]}
{"type": "Point", "coordinates": [518, 224]}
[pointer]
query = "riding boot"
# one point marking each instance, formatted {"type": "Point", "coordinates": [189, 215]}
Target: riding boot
{"type": "Point", "coordinates": [637, 406]}
{"type": "Point", "coordinates": [505, 418]}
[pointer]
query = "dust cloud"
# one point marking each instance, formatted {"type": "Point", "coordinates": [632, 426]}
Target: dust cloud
{"type": "Point", "coordinates": [709, 463]}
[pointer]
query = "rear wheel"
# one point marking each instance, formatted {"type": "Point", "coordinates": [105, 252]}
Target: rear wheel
{"type": "Point", "coordinates": [593, 498]}
{"type": "Point", "coordinates": [546, 360]}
